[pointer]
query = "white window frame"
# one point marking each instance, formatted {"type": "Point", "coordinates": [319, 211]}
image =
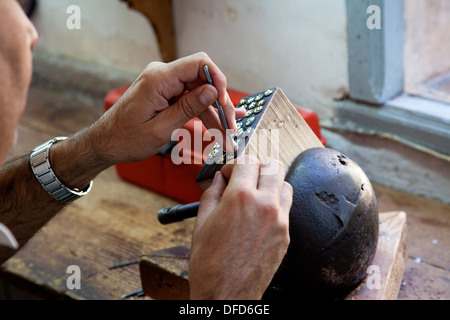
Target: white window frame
{"type": "Point", "coordinates": [377, 102]}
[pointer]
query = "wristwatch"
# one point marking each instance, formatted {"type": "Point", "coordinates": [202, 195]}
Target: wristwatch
{"type": "Point", "coordinates": [42, 169]}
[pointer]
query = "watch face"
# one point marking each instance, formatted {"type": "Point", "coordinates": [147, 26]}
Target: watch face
{"type": "Point", "coordinates": [28, 6]}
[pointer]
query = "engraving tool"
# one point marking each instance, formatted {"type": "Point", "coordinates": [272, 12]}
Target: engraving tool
{"type": "Point", "coordinates": [221, 113]}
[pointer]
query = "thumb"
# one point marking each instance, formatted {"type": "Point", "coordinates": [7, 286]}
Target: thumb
{"type": "Point", "coordinates": [195, 102]}
{"type": "Point", "coordinates": [187, 107]}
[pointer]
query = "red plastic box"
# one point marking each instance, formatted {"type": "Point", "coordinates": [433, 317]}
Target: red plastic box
{"type": "Point", "coordinates": [159, 174]}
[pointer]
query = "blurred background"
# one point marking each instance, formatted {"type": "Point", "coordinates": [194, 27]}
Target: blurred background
{"type": "Point", "coordinates": [320, 53]}
{"type": "Point", "coordinates": [299, 46]}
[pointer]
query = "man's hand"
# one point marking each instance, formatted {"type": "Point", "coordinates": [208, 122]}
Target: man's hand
{"type": "Point", "coordinates": [241, 233]}
{"type": "Point", "coordinates": [161, 100]}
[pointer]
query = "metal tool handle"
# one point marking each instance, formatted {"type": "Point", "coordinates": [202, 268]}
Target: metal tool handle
{"type": "Point", "coordinates": [178, 213]}
{"type": "Point", "coordinates": [221, 113]}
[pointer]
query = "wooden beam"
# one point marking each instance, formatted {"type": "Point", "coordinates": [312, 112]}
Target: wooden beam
{"type": "Point", "coordinates": [160, 15]}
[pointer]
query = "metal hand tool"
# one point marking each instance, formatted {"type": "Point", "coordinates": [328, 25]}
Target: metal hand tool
{"type": "Point", "coordinates": [221, 113]}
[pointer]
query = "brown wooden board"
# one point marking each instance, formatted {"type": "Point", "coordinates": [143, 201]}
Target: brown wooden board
{"type": "Point", "coordinates": [159, 14]}
{"type": "Point", "coordinates": [389, 258]}
{"type": "Point", "coordinates": [164, 273]}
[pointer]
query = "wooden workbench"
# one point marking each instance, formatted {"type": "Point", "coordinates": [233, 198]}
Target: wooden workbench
{"type": "Point", "coordinates": [117, 222]}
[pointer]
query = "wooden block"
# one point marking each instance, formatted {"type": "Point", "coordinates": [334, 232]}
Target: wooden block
{"type": "Point", "coordinates": [159, 14]}
{"type": "Point", "coordinates": [272, 128]}
{"type": "Point", "coordinates": [164, 274]}
{"type": "Point", "coordinates": [389, 258]}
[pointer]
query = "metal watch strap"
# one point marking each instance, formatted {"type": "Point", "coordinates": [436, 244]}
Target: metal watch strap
{"type": "Point", "coordinates": [40, 164]}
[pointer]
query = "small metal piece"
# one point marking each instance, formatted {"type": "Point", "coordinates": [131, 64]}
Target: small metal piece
{"type": "Point", "coordinates": [250, 121]}
{"type": "Point", "coordinates": [268, 92]}
{"type": "Point", "coordinates": [213, 153]}
{"type": "Point", "coordinates": [184, 274]}
{"type": "Point", "coordinates": [222, 159]}
{"type": "Point", "coordinates": [123, 264]}
{"type": "Point", "coordinates": [249, 113]}
{"type": "Point", "coordinates": [214, 150]}
{"type": "Point", "coordinates": [258, 109]}
{"type": "Point", "coordinates": [138, 293]}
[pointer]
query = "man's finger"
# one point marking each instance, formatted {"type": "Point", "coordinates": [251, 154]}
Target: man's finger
{"type": "Point", "coordinates": [210, 198]}
{"type": "Point", "coordinates": [230, 114]}
{"type": "Point", "coordinates": [286, 200]}
{"type": "Point", "coordinates": [189, 70]}
{"type": "Point", "coordinates": [271, 179]}
{"type": "Point", "coordinates": [243, 171]}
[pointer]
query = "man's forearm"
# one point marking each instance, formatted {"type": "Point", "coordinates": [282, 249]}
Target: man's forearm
{"type": "Point", "coordinates": [25, 205]}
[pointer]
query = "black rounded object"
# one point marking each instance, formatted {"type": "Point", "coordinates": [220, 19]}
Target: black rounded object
{"type": "Point", "coordinates": [333, 227]}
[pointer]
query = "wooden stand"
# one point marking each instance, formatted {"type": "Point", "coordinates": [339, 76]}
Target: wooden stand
{"type": "Point", "coordinates": [159, 14]}
{"type": "Point", "coordinates": [164, 274]}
